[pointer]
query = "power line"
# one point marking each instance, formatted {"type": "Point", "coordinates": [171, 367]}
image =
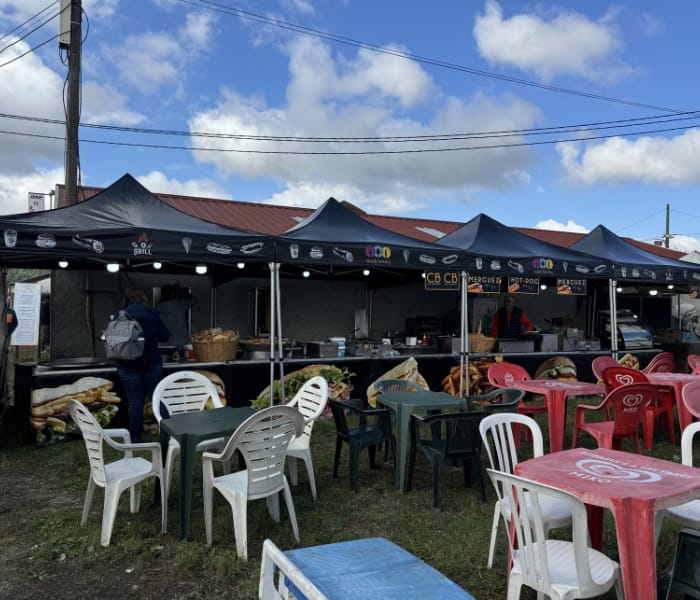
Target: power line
{"type": "Point", "coordinates": [29, 20]}
{"type": "Point", "coordinates": [345, 153]}
{"type": "Point", "coordinates": [244, 14]}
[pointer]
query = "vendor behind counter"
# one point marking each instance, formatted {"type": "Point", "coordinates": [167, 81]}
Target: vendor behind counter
{"type": "Point", "coordinates": [510, 321]}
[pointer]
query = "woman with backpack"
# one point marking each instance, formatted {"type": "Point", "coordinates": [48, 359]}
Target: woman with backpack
{"type": "Point", "coordinates": [140, 376]}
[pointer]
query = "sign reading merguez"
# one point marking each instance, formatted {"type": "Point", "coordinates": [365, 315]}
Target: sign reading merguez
{"type": "Point", "coordinates": [484, 284]}
{"type": "Point", "coordinates": [571, 287]}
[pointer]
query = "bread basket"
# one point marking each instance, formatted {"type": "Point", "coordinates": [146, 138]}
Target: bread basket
{"type": "Point", "coordinates": [212, 346]}
{"type": "Point", "coordinates": [480, 343]}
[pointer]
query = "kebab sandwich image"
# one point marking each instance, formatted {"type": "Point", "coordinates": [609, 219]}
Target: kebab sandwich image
{"type": "Point", "coordinates": [49, 415]}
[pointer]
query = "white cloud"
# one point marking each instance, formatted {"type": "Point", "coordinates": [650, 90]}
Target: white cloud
{"type": "Point", "coordinates": [565, 43]}
{"type": "Point", "coordinates": [364, 98]}
{"type": "Point", "coordinates": [158, 182]}
{"type": "Point", "coordinates": [684, 243]}
{"type": "Point", "coordinates": [104, 104]}
{"type": "Point", "coordinates": [14, 189]}
{"type": "Point", "coordinates": [669, 161]}
{"type": "Point", "coordinates": [554, 225]}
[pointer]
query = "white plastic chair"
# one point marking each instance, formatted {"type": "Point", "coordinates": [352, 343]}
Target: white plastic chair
{"type": "Point", "coordinates": [688, 514]}
{"type": "Point", "coordinates": [559, 569]}
{"type": "Point", "coordinates": [262, 440]}
{"type": "Point", "coordinates": [276, 564]}
{"type": "Point", "coordinates": [497, 435]}
{"type": "Point", "coordinates": [181, 392]}
{"type": "Point", "coordinates": [311, 400]}
{"type": "Point", "coordinates": [115, 477]}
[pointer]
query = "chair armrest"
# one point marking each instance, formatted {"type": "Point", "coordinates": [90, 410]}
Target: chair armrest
{"type": "Point", "coordinates": [124, 434]}
{"type": "Point", "coordinates": [590, 406]}
{"type": "Point", "coordinates": [130, 448]}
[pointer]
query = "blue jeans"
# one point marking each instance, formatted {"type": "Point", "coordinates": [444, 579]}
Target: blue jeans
{"type": "Point", "coordinates": [138, 383]}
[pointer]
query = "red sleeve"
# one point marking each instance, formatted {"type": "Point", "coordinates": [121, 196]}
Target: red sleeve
{"type": "Point", "coordinates": [494, 327]}
{"type": "Point", "coordinates": [527, 324]}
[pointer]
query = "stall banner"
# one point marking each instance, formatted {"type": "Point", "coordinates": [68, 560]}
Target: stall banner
{"type": "Point", "coordinates": [484, 284]}
{"type": "Point", "coordinates": [27, 301]}
{"type": "Point", "coordinates": [49, 416]}
{"type": "Point", "coordinates": [523, 285]}
{"type": "Point", "coordinates": [569, 287]}
{"type": "Point", "coordinates": [442, 281]}
{"type": "Point", "coordinates": [694, 291]}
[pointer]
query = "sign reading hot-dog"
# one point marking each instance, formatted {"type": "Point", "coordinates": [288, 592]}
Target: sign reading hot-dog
{"type": "Point", "coordinates": [571, 287]}
{"type": "Point", "coordinates": [523, 285]}
{"type": "Point", "coordinates": [484, 284]}
{"type": "Point", "coordinates": [442, 280]}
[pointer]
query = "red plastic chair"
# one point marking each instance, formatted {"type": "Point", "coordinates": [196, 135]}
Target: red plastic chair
{"type": "Point", "coordinates": [615, 377]}
{"type": "Point", "coordinates": [626, 403]}
{"type": "Point", "coordinates": [600, 363]}
{"type": "Point", "coordinates": [691, 397]}
{"type": "Point", "coordinates": [503, 375]}
{"type": "Point", "coordinates": [694, 361]}
{"type": "Point", "coordinates": [661, 363]}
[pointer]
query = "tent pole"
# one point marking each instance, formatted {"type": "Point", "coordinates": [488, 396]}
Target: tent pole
{"type": "Point", "coordinates": [278, 306]}
{"type": "Point", "coordinates": [464, 339]}
{"type": "Point", "coordinates": [273, 312]}
{"type": "Point", "coordinates": [613, 318]}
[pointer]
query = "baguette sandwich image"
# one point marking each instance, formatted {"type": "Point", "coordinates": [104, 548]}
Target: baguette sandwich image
{"type": "Point", "coordinates": [49, 415]}
{"type": "Point", "coordinates": [407, 371]}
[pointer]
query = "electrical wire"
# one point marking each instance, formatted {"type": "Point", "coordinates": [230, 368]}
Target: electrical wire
{"type": "Point", "coordinates": [29, 20]}
{"type": "Point", "coordinates": [244, 14]}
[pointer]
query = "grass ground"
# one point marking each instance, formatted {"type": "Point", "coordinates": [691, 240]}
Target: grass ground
{"type": "Point", "coordinates": [45, 552]}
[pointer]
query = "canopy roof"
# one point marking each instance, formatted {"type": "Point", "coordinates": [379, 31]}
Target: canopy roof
{"type": "Point", "coordinates": [633, 263]}
{"type": "Point", "coordinates": [127, 224]}
{"type": "Point", "coordinates": [335, 235]}
{"type": "Point", "coordinates": [496, 249]}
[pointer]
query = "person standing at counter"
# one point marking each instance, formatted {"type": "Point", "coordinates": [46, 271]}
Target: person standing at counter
{"type": "Point", "coordinates": [174, 303]}
{"type": "Point", "coordinates": [510, 321]}
{"type": "Point", "coordinates": [452, 323]}
{"type": "Point", "coordinates": [140, 377]}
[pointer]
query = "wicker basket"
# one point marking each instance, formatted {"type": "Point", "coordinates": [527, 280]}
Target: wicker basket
{"type": "Point", "coordinates": [215, 351]}
{"type": "Point", "coordinates": [478, 342]}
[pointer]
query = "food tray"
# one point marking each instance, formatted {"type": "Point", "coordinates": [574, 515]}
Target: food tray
{"type": "Point", "coordinates": [215, 351]}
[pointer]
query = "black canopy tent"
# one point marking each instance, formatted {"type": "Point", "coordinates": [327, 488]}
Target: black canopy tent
{"type": "Point", "coordinates": [631, 263]}
{"type": "Point", "coordinates": [128, 225]}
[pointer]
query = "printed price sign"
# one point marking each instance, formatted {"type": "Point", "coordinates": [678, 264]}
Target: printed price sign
{"type": "Point", "coordinates": [523, 285]}
{"type": "Point", "coordinates": [442, 280]}
{"type": "Point", "coordinates": [484, 284]}
{"type": "Point", "coordinates": [571, 287]}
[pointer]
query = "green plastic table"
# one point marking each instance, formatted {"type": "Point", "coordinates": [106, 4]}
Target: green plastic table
{"type": "Point", "coordinates": [404, 404]}
{"type": "Point", "coordinates": [189, 429]}
{"type": "Point", "coordinates": [372, 568]}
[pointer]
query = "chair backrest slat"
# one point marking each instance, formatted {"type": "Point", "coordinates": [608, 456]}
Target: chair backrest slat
{"type": "Point", "coordinates": [496, 432]}
{"type": "Point", "coordinates": [181, 392]}
{"type": "Point", "coordinates": [614, 377]}
{"type": "Point", "coordinates": [92, 436]}
{"type": "Point", "coordinates": [627, 403]}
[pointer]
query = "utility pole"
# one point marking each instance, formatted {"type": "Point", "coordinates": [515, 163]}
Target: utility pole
{"type": "Point", "coordinates": [73, 101]}
{"type": "Point", "coordinates": [667, 237]}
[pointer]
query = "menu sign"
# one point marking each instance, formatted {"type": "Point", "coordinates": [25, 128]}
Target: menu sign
{"type": "Point", "coordinates": [569, 286]}
{"type": "Point", "coordinates": [523, 285]}
{"type": "Point", "coordinates": [484, 284]}
{"type": "Point", "coordinates": [442, 280]}
{"type": "Point", "coordinates": [694, 291]}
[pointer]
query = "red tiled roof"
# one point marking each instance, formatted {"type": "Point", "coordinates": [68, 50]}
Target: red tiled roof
{"type": "Point", "coordinates": [275, 219]}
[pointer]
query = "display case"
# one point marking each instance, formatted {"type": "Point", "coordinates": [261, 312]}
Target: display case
{"type": "Point", "coordinates": [631, 334]}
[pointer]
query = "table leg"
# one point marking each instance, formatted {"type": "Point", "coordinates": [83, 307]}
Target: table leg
{"type": "Point", "coordinates": [556, 413]}
{"type": "Point", "coordinates": [637, 549]}
{"type": "Point", "coordinates": [164, 442]}
{"type": "Point", "coordinates": [403, 417]}
{"type": "Point", "coordinates": [595, 525]}
{"type": "Point", "coordinates": [188, 450]}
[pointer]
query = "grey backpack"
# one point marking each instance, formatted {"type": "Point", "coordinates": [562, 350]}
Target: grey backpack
{"type": "Point", "coordinates": [123, 338]}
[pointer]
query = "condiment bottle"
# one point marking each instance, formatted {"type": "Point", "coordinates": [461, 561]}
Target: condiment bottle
{"type": "Point", "coordinates": [425, 340]}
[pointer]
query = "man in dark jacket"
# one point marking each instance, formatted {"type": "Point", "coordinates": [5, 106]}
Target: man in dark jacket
{"type": "Point", "coordinates": [510, 321]}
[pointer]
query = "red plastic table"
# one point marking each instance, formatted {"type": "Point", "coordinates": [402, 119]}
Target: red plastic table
{"type": "Point", "coordinates": [634, 487]}
{"type": "Point", "coordinates": [556, 391]}
{"type": "Point", "coordinates": [676, 381]}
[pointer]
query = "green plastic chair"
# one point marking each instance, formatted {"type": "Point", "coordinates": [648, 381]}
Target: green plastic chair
{"type": "Point", "coordinates": [498, 400]}
{"type": "Point", "coordinates": [374, 428]}
{"type": "Point", "coordinates": [447, 437]}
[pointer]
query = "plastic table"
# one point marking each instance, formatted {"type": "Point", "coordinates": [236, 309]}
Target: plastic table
{"type": "Point", "coordinates": [189, 429]}
{"type": "Point", "coordinates": [372, 568]}
{"type": "Point", "coordinates": [633, 487]}
{"type": "Point", "coordinates": [404, 404]}
{"type": "Point", "coordinates": [676, 381]}
{"type": "Point", "coordinates": [556, 392]}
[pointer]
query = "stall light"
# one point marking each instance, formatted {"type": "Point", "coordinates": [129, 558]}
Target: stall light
{"type": "Point", "coordinates": [653, 292]}
{"type": "Point", "coordinates": [670, 286]}
{"type": "Point", "coordinates": [365, 272]}
{"type": "Point", "coordinates": [201, 269]}
{"type": "Point", "coordinates": [63, 264]}
{"type": "Point", "coordinates": [305, 273]}
{"type": "Point", "coordinates": [423, 274]}
{"type": "Point", "coordinates": [113, 267]}
{"type": "Point", "coordinates": [543, 286]}
{"type": "Point", "coordinates": [241, 265]}
{"type": "Point", "coordinates": [618, 290]}
{"type": "Point", "coordinates": [157, 265]}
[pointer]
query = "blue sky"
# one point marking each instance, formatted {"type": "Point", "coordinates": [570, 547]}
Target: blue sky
{"type": "Point", "coordinates": [356, 70]}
